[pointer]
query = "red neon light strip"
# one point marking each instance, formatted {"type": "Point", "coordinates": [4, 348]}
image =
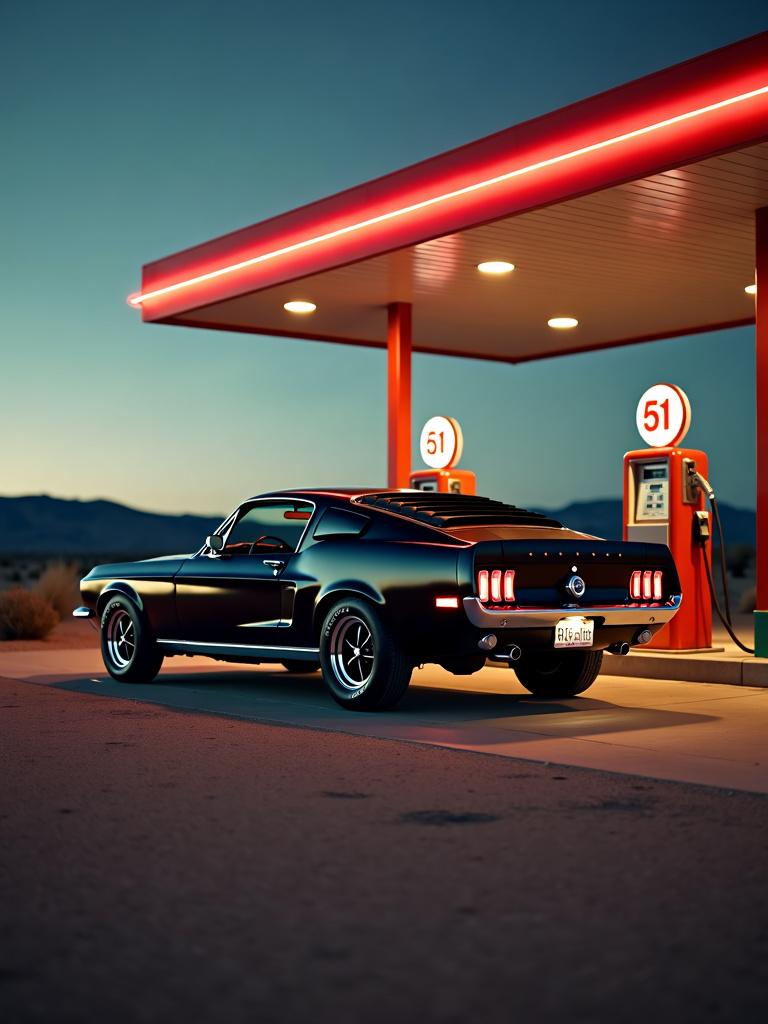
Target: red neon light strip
{"type": "Point", "coordinates": [138, 299]}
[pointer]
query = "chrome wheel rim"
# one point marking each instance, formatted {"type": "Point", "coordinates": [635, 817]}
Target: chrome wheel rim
{"type": "Point", "coordinates": [121, 639]}
{"type": "Point", "coordinates": [352, 652]}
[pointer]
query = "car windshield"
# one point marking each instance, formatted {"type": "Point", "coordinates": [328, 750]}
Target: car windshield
{"type": "Point", "coordinates": [268, 526]}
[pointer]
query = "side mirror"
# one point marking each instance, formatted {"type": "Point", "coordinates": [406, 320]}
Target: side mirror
{"type": "Point", "coordinates": [215, 542]}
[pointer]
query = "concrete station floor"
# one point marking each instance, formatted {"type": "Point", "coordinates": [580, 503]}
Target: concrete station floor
{"type": "Point", "coordinates": [666, 729]}
{"type": "Point", "coordinates": [725, 663]}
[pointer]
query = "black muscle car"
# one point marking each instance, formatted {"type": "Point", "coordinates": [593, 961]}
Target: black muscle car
{"type": "Point", "coordinates": [367, 584]}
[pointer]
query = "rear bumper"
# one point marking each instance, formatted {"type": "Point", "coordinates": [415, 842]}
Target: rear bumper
{"type": "Point", "coordinates": [542, 618]}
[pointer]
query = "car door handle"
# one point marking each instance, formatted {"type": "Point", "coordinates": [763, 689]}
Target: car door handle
{"type": "Point", "coordinates": [275, 564]}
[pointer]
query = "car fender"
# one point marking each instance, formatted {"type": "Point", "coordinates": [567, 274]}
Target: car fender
{"type": "Point", "coordinates": [337, 591]}
{"type": "Point", "coordinates": [113, 589]}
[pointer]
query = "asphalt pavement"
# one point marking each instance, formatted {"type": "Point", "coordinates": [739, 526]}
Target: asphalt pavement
{"type": "Point", "coordinates": [160, 863]}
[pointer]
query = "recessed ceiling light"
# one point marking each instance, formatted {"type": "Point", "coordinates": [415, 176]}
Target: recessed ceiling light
{"type": "Point", "coordinates": [563, 323]}
{"type": "Point", "coordinates": [751, 289]}
{"type": "Point", "coordinates": [299, 306]}
{"type": "Point", "coordinates": [496, 267]}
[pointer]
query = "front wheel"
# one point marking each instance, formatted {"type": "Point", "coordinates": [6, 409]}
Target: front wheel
{"type": "Point", "coordinates": [558, 673]}
{"type": "Point", "coordinates": [363, 665]}
{"type": "Point", "coordinates": [130, 653]}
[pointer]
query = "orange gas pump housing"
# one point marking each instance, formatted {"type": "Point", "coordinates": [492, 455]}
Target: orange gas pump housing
{"type": "Point", "coordinates": [659, 508]}
{"type": "Point", "coordinates": [456, 481]}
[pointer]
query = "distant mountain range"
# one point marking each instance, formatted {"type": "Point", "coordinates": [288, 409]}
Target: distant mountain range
{"type": "Point", "coordinates": [41, 525]}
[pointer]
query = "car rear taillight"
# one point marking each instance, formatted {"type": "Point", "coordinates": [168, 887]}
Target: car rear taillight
{"type": "Point", "coordinates": [496, 585]}
{"type": "Point", "coordinates": [647, 585]}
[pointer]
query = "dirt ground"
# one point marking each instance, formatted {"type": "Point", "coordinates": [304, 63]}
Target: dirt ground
{"type": "Point", "coordinates": [157, 865]}
{"type": "Point", "coordinates": [68, 635]}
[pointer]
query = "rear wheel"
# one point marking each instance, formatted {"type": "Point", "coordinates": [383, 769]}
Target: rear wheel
{"type": "Point", "coordinates": [558, 673]}
{"type": "Point", "coordinates": [363, 665]}
{"type": "Point", "coordinates": [300, 667]}
{"type": "Point", "coordinates": [130, 653]}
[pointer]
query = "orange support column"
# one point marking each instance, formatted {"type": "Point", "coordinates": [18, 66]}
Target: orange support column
{"type": "Point", "coordinates": [399, 394]}
{"type": "Point", "coordinates": [761, 407]}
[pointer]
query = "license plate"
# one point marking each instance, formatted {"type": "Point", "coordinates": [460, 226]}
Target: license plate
{"type": "Point", "coordinates": [574, 631]}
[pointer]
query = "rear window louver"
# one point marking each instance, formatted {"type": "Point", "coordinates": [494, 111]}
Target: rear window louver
{"type": "Point", "coordinates": [449, 511]}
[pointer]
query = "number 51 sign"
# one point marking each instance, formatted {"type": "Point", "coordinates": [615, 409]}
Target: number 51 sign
{"type": "Point", "coordinates": [663, 416]}
{"type": "Point", "coordinates": [441, 442]}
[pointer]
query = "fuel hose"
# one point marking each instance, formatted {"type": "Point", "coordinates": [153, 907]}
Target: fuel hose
{"type": "Point", "coordinates": [724, 615]}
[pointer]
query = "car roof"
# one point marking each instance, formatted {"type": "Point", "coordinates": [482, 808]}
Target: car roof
{"type": "Point", "coordinates": [329, 492]}
{"type": "Point", "coordinates": [446, 511]}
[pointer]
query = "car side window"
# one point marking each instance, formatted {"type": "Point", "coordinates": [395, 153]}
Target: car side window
{"type": "Point", "coordinates": [266, 527]}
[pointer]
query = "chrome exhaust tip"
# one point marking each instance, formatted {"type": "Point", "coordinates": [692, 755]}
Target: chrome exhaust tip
{"type": "Point", "coordinates": [644, 636]}
{"type": "Point", "coordinates": [488, 642]}
{"type": "Point", "coordinates": [622, 648]}
{"type": "Point", "coordinates": [510, 655]}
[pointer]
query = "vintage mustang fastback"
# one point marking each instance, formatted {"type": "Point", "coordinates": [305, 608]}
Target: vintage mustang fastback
{"type": "Point", "coordinates": [368, 584]}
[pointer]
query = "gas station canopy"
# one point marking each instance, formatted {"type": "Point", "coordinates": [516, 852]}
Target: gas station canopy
{"type": "Point", "coordinates": [632, 212]}
{"type": "Point", "coordinates": [638, 214]}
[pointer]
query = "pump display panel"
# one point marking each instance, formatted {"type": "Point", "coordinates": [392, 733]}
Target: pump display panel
{"type": "Point", "coordinates": [652, 492]}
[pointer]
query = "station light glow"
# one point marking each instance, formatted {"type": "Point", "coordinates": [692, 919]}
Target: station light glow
{"type": "Point", "coordinates": [446, 602]}
{"type": "Point", "coordinates": [496, 267]}
{"type": "Point", "coordinates": [751, 289]}
{"type": "Point", "coordinates": [299, 306]}
{"type": "Point", "coordinates": [563, 323]}
{"type": "Point", "coordinates": [139, 298]}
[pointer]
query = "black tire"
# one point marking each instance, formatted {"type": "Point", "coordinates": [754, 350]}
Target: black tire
{"type": "Point", "coordinates": [558, 673]}
{"type": "Point", "coordinates": [300, 667]}
{"type": "Point", "coordinates": [466, 665]}
{"type": "Point", "coordinates": [129, 651]}
{"type": "Point", "coordinates": [355, 640]}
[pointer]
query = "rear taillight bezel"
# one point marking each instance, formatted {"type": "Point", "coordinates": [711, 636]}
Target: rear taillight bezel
{"type": "Point", "coordinates": [646, 585]}
{"type": "Point", "coordinates": [495, 586]}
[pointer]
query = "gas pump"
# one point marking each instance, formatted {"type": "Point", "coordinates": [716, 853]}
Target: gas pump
{"type": "Point", "coordinates": [441, 445]}
{"type": "Point", "coordinates": [665, 489]}
{"type": "Point", "coordinates": [664, 505]}
{"type": "Point", "coordinates": [458, 481]}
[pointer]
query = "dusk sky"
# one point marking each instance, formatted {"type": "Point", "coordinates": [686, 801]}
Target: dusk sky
{"type": "Point", "coordinates": [130, 131]}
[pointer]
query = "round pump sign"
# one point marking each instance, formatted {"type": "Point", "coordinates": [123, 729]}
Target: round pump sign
{"type": "Point", "coordinates": [663, 416]}
{"type": "Point", "coordinates": [441, 442]}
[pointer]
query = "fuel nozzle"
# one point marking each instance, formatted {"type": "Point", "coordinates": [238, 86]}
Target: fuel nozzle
{"type": "Point", "coordinates": [704, 484]}
{"type": "Point", "coordinates": [694, 482]}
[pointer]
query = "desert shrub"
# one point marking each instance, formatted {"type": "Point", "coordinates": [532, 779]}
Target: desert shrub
{"type": "Point", "coordinates": [747, 602]}
{"type": "Point", "coordinates": [59, 585]}
{"type": "Point", "coordinates": [25, 615]}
